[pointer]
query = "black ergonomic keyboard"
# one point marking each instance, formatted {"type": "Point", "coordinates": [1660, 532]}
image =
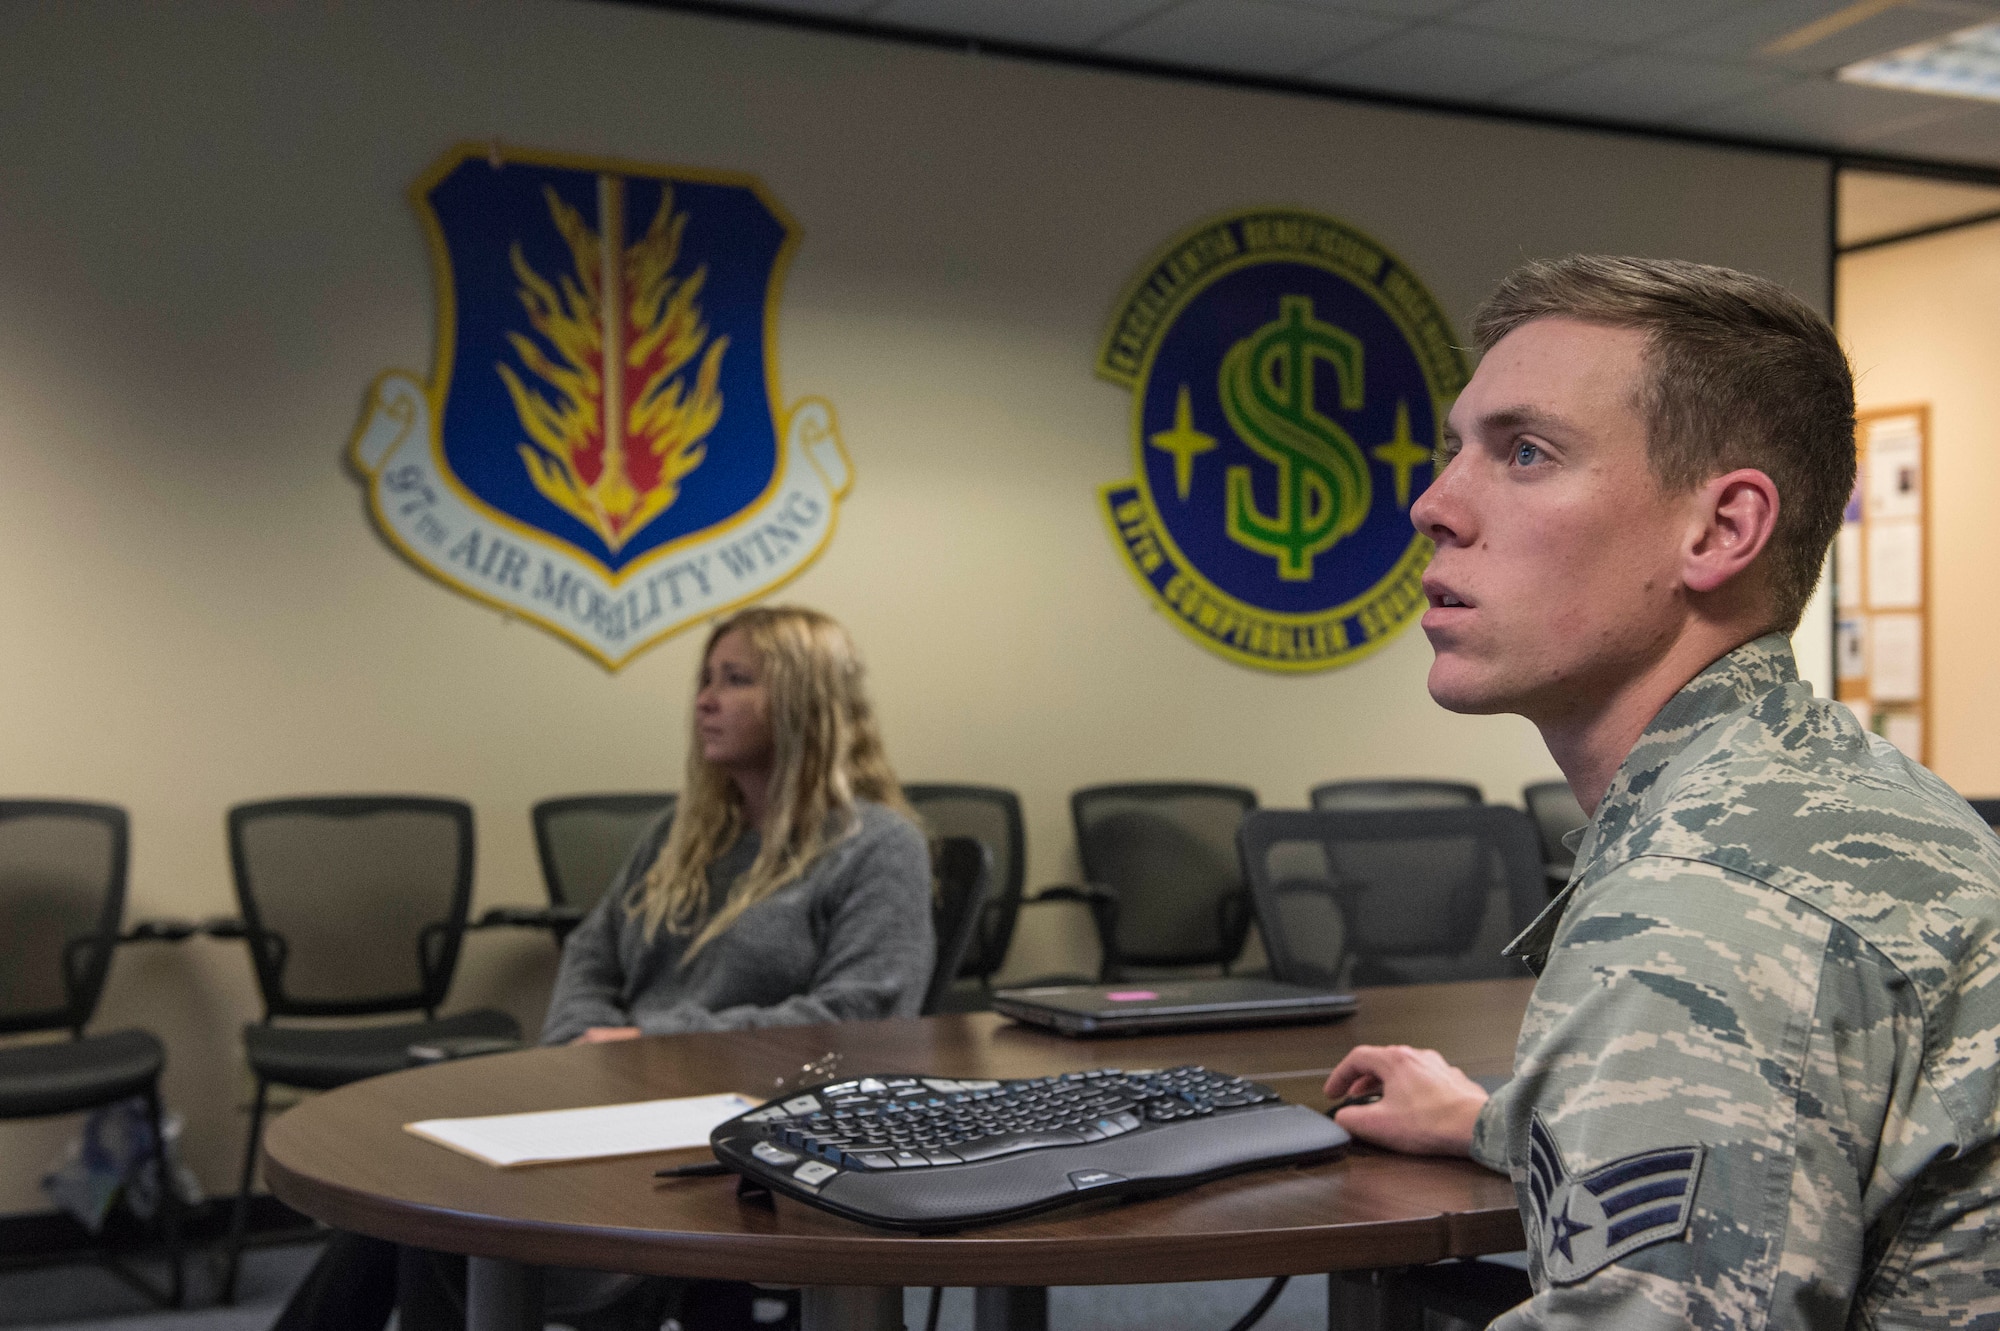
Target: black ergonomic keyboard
{"type": "Point", "coordinates": [939, 1153]}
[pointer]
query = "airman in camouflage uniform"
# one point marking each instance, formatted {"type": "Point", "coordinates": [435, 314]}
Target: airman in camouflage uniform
{"type": "Point", "coordinates": [1759, 1081]}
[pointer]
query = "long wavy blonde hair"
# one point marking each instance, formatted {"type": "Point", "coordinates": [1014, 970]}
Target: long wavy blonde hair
{"type": "Point", "coordinates": [826, 754]}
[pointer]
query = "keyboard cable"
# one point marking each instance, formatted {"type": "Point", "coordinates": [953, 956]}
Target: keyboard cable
{"type": "Point", "coordinates": [1262, 1305]}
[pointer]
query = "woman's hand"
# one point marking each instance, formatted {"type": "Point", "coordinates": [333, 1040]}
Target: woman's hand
{"type": "Point", "coordinates": [606, 1034]}
{"type": "Point", "coordinates": [1428, 1107]}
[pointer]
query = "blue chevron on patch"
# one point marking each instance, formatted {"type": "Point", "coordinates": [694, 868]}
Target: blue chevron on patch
{"type": "Point", "coordinates": [1583, 1223]}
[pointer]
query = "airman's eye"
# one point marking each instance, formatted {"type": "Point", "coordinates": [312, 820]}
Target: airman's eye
{"type": "Point", "coordinates": [1527, 454]}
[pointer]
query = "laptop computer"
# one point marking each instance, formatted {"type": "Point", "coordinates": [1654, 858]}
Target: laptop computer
{"type": "Point", "coordinates": [1169, 1005]}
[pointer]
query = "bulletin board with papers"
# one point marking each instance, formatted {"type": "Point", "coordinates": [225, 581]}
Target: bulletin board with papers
{"type": "Point", "coordinates": [1882, 580]}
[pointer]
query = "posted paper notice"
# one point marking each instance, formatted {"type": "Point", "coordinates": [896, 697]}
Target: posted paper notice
{"type": "Point", "coordinates": [1896, 658]}
{"type": "Point", "coordinates": [1895, 566]}
{"type": "Point", "coordinates": [1905, 730]}
{"type": "Point", "coordinates": [1895, 469]}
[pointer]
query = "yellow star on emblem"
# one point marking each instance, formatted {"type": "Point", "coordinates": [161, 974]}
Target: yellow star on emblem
{"type": "Point", "coordinates": [1185, 443]}
{"type": "Point", "coordinates": [1402, 452]}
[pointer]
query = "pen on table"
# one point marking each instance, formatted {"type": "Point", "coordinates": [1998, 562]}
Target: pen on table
{"type": "Point", "coordinates": [699, 1169]}
{"type": "Point", "coordinates": [1348, 1101]}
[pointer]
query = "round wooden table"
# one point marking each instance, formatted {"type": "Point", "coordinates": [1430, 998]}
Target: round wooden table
{"type": "Point", "coordinates": [345, 1159]}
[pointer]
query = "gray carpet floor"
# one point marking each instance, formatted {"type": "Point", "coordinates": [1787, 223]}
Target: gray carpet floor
{"type": "Point", "coordinates": [88, 1298]}
{"type": "Point", "coordinates": [1204, 1307]}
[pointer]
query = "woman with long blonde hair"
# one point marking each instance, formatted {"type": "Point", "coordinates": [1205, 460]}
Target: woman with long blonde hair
{"type": "Point", "coordinates": [789, 885]}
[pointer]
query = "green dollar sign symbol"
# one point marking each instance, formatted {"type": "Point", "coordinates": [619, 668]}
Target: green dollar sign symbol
{"type": "Point", "coordinates": [1266, 385]}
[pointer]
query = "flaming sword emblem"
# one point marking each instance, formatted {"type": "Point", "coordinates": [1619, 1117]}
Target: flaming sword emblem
{"type": "Point", "coordinates": [619, 424]}
{"type": "Point", "coordinates": [570, 460]}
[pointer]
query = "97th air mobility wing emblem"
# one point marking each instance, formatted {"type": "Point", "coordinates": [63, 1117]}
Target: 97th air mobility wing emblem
{"type": "Point", "coordinates": [1289, 382]}
{"type": "Point", "coordinates": [602, 448]}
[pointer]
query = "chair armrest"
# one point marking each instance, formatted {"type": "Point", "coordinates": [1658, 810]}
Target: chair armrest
{"type": "Point", "coordinates": [1103, 903]}
{"type": "Point", "coordinates": [456, 1047]}
{"type": "Point", "coordinates": [161, 930]}
{"type": "Point", "coordinates": [224, 926]}
{"type": "Point", "coordinates": [1090, 894]}
{"type": "Point", "coordinates": [1317, 885]}
{"type": "Point", "coordinates": [552, 918]}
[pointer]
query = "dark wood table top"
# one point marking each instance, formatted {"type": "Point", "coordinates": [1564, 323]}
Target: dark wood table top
{"type": "Point", "coordinates": [344, 1158]}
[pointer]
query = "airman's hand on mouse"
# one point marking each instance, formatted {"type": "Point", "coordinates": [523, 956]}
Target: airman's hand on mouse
{"type": "Point", "coordinates": [1427, 1106]}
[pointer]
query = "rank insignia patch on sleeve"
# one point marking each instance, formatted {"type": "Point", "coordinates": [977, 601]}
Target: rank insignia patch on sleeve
{"type": "Point", "coordinates": [1585, 1222]}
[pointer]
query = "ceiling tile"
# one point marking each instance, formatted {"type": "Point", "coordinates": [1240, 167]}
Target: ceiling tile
{"type": "Point", "coordinates": [1639, 88]}
{"type": "Point", "coordinates": [1403, 9]}
{"type": "Point", "coordinates": [1744, 35]}
{"type": "Point", "coordinates": [1887, 32]}
{"type": "Point", "coordinates": [1249, 36]}
{"type": "Point", "coordinates": [1059, 23]}
{"type": "Point", "coordinates": [1683, 64]}
{"type": "Point", "coordinates": [824, 8]}
{"type": "Point", "coordinates": [1739, 35]}
{"type": "Point", "coordinates": [1609, 22]}
{"type": "Point", "coordinates": [1452, 64]}
{"type": "Point", "coordinates": [1822, 111]}
{"type": "Point", "coordinates": [1972, 135]}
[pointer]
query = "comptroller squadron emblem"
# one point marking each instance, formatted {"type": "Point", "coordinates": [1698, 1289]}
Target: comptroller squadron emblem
{"type": "Point", "coordinates": [1289, 378]}
{"type": "Point", "coordinates": [602, 448]}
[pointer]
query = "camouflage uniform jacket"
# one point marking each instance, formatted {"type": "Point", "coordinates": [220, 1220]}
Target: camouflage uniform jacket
{"type": "Point", "coordinates": [1758, 1084]}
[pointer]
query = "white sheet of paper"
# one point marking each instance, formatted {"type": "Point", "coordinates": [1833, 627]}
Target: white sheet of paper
{"type": "Point", "coordinates": [1905, 730]}
{"type": "Point", "coordinates": [1895, 658]}
{"type": "Point", "coordinates": [1895, 566]}
{"type": "Point", "coordinates": [1847, 570]}
{"type": "Point", "coordinates": [1895, 475]}
{"type": "Point", "coordinates": [585, 1134]}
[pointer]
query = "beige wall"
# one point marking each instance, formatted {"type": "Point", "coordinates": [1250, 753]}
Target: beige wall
{"type": "Point", "coordinates": [206, 256]}
{"type": "Point", "coordinates": [1922, 323]}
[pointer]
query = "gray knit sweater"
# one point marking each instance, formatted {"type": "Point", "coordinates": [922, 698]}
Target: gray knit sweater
{"type": "Point", "coordinates": [849, 940]}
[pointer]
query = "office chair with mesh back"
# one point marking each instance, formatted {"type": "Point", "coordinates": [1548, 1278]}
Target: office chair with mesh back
{"type": "Point", "coordinates": [62, 887]}
{"type": "Point", "coordinates": [1160, 873]}
{"type": "Point", "coordinates": [964, 870]}
{"type": "Point", "coordinates": [991, 815]}
{"type": "Point", "coordinates": [1395, 794]}
{"type": "Point", "coordinates": [1556, 814]}
{"type": "Point", "coordinates": [582, 842]}
{"type": "Point", "coordinates": [1398, 896]}
{"type": "Point", "coordinates": [1392, 896]}
{"type": "Point", "coordinates": [352, 906]}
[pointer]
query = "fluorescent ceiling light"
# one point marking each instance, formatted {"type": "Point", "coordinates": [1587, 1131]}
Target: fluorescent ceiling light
{"type": "Point", "coordinates": [1965, 64]}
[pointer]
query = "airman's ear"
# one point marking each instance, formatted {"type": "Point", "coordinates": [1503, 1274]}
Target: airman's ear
{"type": "Point", "coordinates": [1733, 517]}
